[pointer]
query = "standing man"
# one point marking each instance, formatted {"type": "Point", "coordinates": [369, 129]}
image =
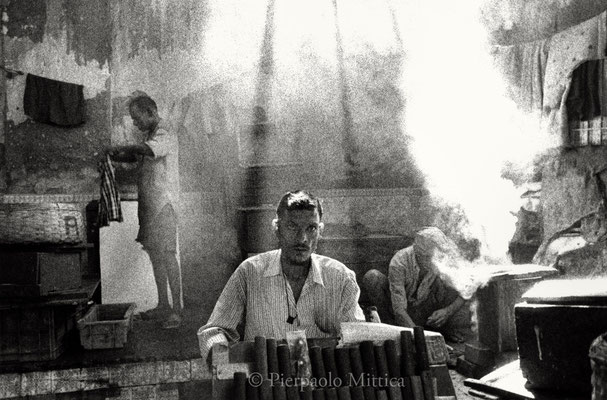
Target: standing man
{"type": "Point", "coordinates": [158, 194]}
{"type": "Point", "coordinates": [288, 289]}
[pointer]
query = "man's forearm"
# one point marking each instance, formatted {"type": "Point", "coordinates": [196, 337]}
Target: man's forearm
{"type": "Point", "coordinates": [403, 319]}
{"type": "Point", "coordinates": [122, 157]}
{"type": "Point", "coordinates": [456, 305]}
{"type": "Point", "coordinates": [129, 153]}
{"type": "Point", "coordinates": [207, 338]}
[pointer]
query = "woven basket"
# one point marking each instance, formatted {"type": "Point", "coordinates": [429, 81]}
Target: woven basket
{"type": "Point", "coordinates": [41, 223]}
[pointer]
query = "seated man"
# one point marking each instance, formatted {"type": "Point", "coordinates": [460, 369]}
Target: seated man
{"type": "Point", "coordinates": [287, 289]}
{"type": "Point", "coordinates": [414, 293]}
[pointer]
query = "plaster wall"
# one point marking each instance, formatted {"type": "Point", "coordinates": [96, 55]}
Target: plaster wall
{"type": "Point", "coordinates": [569, 189]}
{"type": "Point", "coordinates": [316, 88]}
{"type": "Point", "coordinates": [323, 86]}
{"type": "Point", "coordinates": [55, 40]}
{"type": "Point", "coordinates": [332, 94]}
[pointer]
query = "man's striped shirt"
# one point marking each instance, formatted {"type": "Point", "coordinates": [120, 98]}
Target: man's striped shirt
{"type": "Point", "coordinates": [259, 295]}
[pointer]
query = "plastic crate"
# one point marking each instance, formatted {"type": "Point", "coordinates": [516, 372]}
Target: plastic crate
{"type": "Point", "coordinates": [106, 326]}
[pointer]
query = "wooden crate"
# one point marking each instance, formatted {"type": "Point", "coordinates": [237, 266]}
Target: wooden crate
{"type": "Point", "coordinates": [554, 341]}
{"type": "Point", "coordinates": [555, 326]}
{"type": "Point", "coordinates": [106, 326]}
{"type": "Point", "coordinates": [40, 273]}
{"type": "Point", "coordinates": [34, 332]}
{"type": "Point", "coordinates": [496, 328]}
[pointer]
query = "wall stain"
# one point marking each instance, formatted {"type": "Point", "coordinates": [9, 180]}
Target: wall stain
{"type": "Point", "coordinates": [27, 19]}
{"type": "Point", "coordinates": [41, 158]}
{"type": "Point", "coordinates": [163, 26]}
{"type": "Point", "coordinates": [89, 29]}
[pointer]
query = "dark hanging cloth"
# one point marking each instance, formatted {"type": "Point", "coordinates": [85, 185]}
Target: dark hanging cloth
{"type": "Point", "coordinates": [109, 199]}
{"type": "Point", "coordinates": [53, 102]}
{"type": "Point", "coordinates": [584, 99]}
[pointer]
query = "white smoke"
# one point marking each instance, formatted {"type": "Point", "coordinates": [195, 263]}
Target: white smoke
{"type": "Point", "coordinates": [460, 274]}
{"type": "Point", "coordinates": [463, 127]}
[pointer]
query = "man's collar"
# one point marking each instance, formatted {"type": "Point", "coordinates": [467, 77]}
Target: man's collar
{"type": "Point", "coordinates": [274, 268]}
{"type": "Point", "coordinates": [159, 124]}
{"type": "Point", "coordinates": [316, 272]}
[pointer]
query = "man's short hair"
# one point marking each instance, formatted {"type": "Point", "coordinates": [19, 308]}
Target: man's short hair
{"type": "Point", "coordinates": [429, 239]}
{"type": "Point", "coordinates": [144, 103]}
{"type": "Point", "coordinates": [298, 200]}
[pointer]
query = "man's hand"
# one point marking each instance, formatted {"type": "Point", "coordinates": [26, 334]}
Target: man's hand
{"type": "Point", "coordinates": [122, 153]}
{"type": "Point", "coordinates": [111, 151]}
{"type": "Point", "coordinates": [438, 318]}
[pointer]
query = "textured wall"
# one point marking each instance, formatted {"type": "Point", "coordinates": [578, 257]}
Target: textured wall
{"type": "Point", "coordinates": [67, 41]}
{"type": "Point", "coordinates": [332, 93]}
{"type": "Point", "coordinates": [519, 21]}
{"type": "Point", "coordinates": [328, 80]}
{"type": "Point", "coordinates": [569, 189]}
{"type": "Point", "coordinates": [318, 87]}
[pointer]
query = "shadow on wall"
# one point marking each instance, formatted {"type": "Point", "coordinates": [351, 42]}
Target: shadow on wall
{"type": "Point", "coordinates": [48, 159]}
{"type": "Point", "coordinates": [3, 173]}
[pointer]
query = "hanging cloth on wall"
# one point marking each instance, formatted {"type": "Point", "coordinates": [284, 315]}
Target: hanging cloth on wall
{"type": "Point", "coordinates": [523, 67]}
{"type": "Point", "coordinates": [109, 201]}
{"type": "Point", "coordinates": [569, 49]}
{"type": "Point", "coordinates": [53, 102]}
{"type": "Point", "coordinates": [584, 99]}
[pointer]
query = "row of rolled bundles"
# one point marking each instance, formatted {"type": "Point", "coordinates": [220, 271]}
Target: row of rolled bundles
{"type": "Point", "coordinates": [368, 370]}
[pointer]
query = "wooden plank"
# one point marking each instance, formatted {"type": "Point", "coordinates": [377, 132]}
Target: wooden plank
{"type": "Point", "coordinates": [508, 382]}
{"type": "Point", "coordinates": [496, 328]}
{"type": "Point", "coordinates": [69, 297]}
{"type": "Point", "coordinates": [479, 354]}
{"type": "Point", "coordinates": [356, 332]}
{"type": "Point", "coordinates": [495, 390]}
{"type": "Point", "coordinates": [517, 271]}
{"type": "Point", "coordinates": [583, 291]}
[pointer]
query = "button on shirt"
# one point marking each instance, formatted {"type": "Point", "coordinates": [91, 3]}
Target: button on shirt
{"type": "Point", "coordinates": [259, 294]}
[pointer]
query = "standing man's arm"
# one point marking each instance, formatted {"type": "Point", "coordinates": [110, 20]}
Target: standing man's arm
{"type": "Point", "coordinates": [129, 153]}
{"type": "Point", "coordinates": [398, 295]}
{"type": "Point", "coordinates": [227, 314]}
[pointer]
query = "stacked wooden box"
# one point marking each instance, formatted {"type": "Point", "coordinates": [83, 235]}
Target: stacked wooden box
{"type": "Point", "coordinates": [45, 282]}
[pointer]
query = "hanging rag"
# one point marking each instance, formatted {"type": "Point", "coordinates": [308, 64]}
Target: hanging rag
{"type": "Point", "coordinates": [109, 202]}
{"type": "Point", "coordinates": [569, 49]}
{"type": "Point", "coordinates": [584, 100]}
{"type": "Point", "coordinates": [53, 102]}
{"type": "Point", "coordinates": [523, 67]}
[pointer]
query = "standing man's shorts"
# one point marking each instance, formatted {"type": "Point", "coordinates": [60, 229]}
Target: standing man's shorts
{"type": "Point", "coordinates": [160, 234]}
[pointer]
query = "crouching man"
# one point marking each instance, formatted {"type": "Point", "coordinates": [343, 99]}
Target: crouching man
{"type": "Point", "coordinates": [414, 293]}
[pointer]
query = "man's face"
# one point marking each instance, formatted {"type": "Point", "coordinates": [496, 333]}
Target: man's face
{"type": "Point", "coordinates": [298, 233]}
{"type": "Point", "coordinates": [141, 119]}
{"type": "Point", "coordinates": [437, 260]}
